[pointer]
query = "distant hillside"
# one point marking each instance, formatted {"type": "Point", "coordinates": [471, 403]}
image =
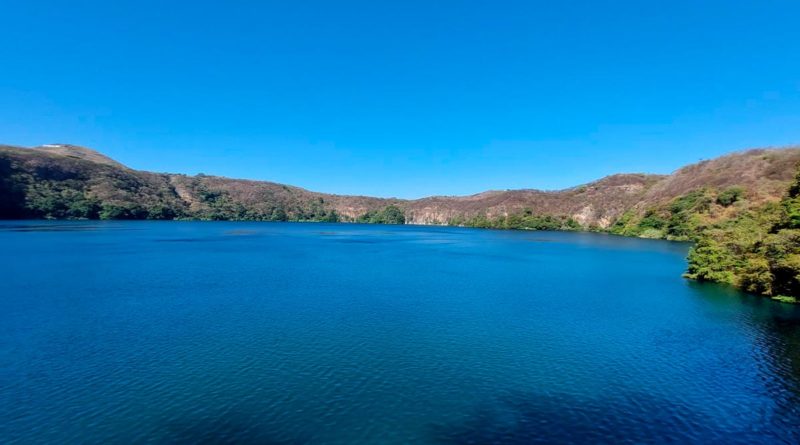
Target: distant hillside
{"type": "Point", "coordinates": [60, 181]}
{"type": "Point", "coordinates": [65, 181]}
{"type": "Point", "coordinates": [656, 206]}
{"type": "Point", "coordinates": [595, 204]}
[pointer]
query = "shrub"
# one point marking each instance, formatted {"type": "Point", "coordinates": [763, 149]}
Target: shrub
{"type": "Point", "coordinates": [388, 215]}
{"type": "Point", "coordinates": [729, 196]}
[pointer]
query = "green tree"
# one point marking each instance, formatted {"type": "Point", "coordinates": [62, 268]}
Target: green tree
{"type": "Point", "coordinates": [729, 196]}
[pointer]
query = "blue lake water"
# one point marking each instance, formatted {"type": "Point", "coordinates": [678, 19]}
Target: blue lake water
{"type": "Point", "coordinates": [218, 332]}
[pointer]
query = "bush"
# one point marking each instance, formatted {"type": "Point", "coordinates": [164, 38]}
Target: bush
{"type": "Point", "coordinates": [729, 196]}
{"type": "Point", "coordinates": [709, 260]}
{"type": "Point", "coordinates": [388, 215]}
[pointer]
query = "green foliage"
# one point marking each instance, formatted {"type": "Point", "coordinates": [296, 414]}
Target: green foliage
{"type": "Point", "coordinates": [571, 224]}
{"type": "Point", "coordinates": [729, 196]}
{"type": "Point", "coordinates": [12, 192]}
{"type": "Point", "coordinates": [695, 201]}
{"type": "Point", "coordinates": [794, 189]}
{"type": "Point", "coordinates": [652, 220]}
{"type": "Point", "coordinates": [759, 250]}
{"type": "Point", "coordinates": [81, 190]}
{"type": "Point", "coordinates": [388, 215]}
{"type": "Point", "coordinates": [755, 275]}
{"type": "Point", "coordinates": [786, 299]}
{"type": "Point", "coordinates": [316, 212]}
{"type": "Point", "coordinates": [524, 220]}
{"type": "Point", "coordinates": [60, 200]}
{"type": "Point", "coordinates": [624, 224]}
{"type": "Point", "coordinates": [122, 210]}
{"type": "Point", "coordinates": [791, 207]}
{"type": "Point", "coordinates": [278, 214]}
{"type": "Point", "coordinates": [652, 234]}
{"type": "Point", "coordinates": [681, 219]}
{"type": "Point", "coordinates": [710, 260]}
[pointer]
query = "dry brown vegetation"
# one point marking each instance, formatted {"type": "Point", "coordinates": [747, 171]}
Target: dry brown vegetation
{"type": "Point", "coordinates": [596, 203]}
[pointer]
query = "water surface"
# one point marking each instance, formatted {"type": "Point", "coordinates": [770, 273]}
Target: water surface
{"type": "Point", "coordinates": [192, 332]}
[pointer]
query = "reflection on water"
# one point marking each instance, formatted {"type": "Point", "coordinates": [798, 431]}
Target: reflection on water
{"type": "Point", "coordinates": [183, 332]}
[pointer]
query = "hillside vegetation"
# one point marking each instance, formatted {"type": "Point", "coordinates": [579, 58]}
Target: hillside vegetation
{"type": "Point", "coordinates": [65, 181]}
{"type": "Point", "coordinates": [758, 250]}
{"type": "Point", "coordinates": [78, 183]}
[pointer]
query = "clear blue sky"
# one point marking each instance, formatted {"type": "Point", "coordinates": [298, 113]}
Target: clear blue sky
{"type": "Point", "coordinates": [403, 98]}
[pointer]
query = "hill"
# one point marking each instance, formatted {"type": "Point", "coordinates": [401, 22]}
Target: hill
{"type": "Point", "coordinates": [66, 181]}
{"type": "Point", "coordinates": [73, 182]}
{"type": "Point", "coordinates": [655, 206]}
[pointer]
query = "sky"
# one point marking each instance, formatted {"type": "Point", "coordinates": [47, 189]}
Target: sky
{"type": "Point", "coordinates": [402, 98]}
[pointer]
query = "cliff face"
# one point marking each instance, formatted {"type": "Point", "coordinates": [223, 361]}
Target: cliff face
{"type": "Point", "coordinates": [64, 181]}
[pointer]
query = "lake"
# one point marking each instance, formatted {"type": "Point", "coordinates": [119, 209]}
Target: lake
{"type": "Point", "coordinates": [281, 333]}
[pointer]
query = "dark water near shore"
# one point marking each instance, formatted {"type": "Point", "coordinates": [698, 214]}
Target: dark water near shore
{"type": "Point", "coordinates": [181, 332]}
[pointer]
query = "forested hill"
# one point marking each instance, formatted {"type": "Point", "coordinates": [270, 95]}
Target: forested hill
{"type": "Point", "coordinates": [64, 181]}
